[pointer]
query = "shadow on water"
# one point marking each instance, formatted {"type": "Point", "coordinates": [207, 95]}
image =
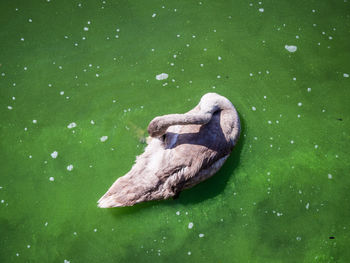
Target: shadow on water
{"type": "Point", "coordinates": [129, 210]}
{"type": "Point", "coordinates": [201, 192]}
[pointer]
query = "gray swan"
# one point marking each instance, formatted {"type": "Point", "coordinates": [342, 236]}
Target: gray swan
{"type": "Point", "coordinates": [183, 150]}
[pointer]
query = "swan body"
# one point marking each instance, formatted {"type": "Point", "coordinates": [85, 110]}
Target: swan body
{"type": "Point", "coordinates": [183, 150]}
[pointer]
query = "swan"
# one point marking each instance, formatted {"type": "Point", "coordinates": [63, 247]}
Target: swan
{"type": "Point", "coordinates": [182, 150]}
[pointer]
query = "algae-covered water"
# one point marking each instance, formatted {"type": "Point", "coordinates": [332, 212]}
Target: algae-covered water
{"type": "Point", "coordinates": [72, 72]}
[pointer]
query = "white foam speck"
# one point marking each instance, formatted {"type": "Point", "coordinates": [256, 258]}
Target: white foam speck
{"type": "Point", "coordinates": [300, 104]}
{"type": "Point", "coordinates": [54, 154]}
{"type": "Point", "coordinates": [201, 235]}
{"type": "Point", "coordinates": [261, 10]}
{"type": "Point", "coordinates": [35, 121]}
{"type": "Point", "coordinates": [330, 176]}
{"type": "Point", "coordinates": [86, 28]}
{"type": "Point", "coordinates": [178, 213]}
{"type": "Point", "coordinates": [253, 108]}
{"type": "Point", "coordinates": [162, 76]}
{"type": "Point", "coordinates": [307, 206]}
{"type": "Point", "coordinates": [46, 223]}
{"type": "Point", "coordinates": [190, 225]}
{"type": "Point", "coordinates": [9, 107]}
{"type": "Point", "coordinates": [72, 125]}
{"type": "Point", "coordinates": [95, 230]}
{"type": "Point", "coordinates": [308, 89]}
{"type": "Point", "coordinates": [103, 138]}
{"type": "Point", "coordinates": [52, 179]}
{"type": "Point", "coordinates": [92, 122]}
{"type": "Point", "coordinates": [189, 253]}
{"type": "Point", "coordinates": [66, 261]}
{"type": "Point", "coordinates": [219, 58]}
{"type": "Point", "coordinates": [154, 15]}
{"type": "Point", "coordinates": [70, 167]}
{"type": "Point", "coordinates": [346, 75]}
{"type": "Point", "coordinates": [28, 246]}
{"type": "Point", "coordinates": [291, 48]}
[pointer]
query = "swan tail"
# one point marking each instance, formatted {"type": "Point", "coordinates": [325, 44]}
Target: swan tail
{"type": "Point", "coordinates": [135, 188]}
{"type": "Point", "coordinates": [126, 191]}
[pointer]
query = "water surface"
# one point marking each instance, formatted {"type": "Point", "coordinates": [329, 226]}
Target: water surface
{"type": "Point", "coordinates": [281, 196]}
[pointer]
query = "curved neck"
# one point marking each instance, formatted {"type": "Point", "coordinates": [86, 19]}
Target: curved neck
{"type": "Point", "coordinates": [186, 119]}
{"type": "Point", "coordinates": [209, 103]}
{"type": "Point", "coordinates": [159, 125]}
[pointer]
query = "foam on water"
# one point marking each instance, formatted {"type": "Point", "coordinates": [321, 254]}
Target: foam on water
{"type": "Point", "coordinates": [162, 76]}
{"type": "Point", "coordinates": [104, 138]}
{"type": "Point", "coordinates": [291, 48]}
{"type": "Point", "coordinates": [54, 154]}
{"type": "Point", "coordinates": [72, 125]}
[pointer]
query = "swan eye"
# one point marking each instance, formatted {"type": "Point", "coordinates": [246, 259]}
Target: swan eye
{"type": "Point", "coordinates": [164, 137]}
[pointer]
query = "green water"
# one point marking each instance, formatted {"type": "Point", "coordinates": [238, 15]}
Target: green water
{"type": "Point", "coordinates": [280, 196]}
